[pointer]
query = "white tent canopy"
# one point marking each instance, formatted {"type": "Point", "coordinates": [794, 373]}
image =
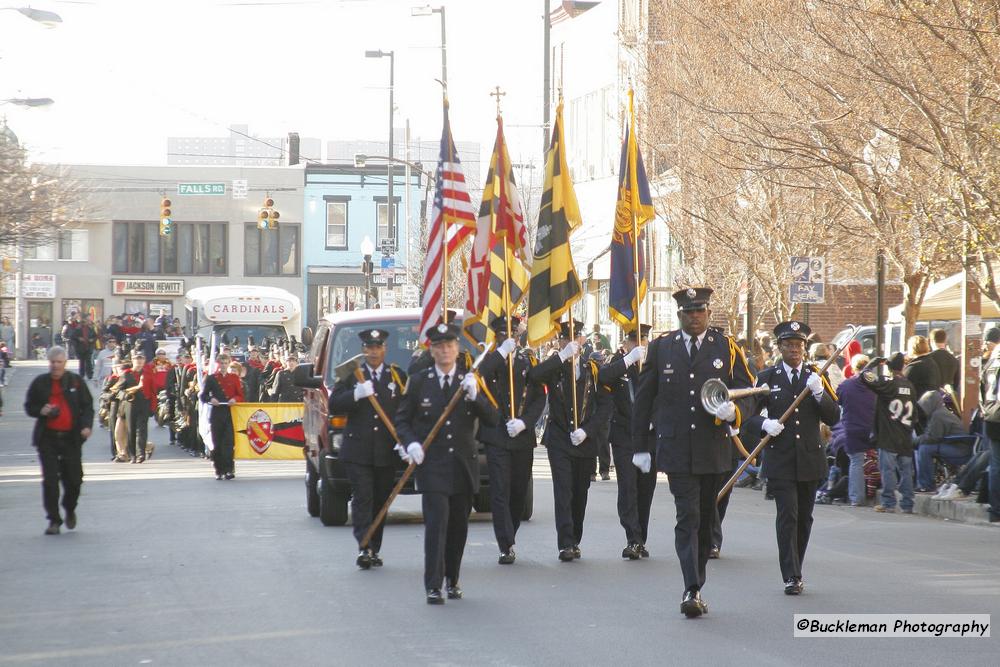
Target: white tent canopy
{"type": "Point", "coordinates": [943, 301]}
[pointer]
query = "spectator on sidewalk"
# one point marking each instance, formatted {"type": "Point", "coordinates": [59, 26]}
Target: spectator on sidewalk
{"type": "Point", "coordinates": [64, 409]}
{"type": "Point", "coordinates": [852, 433]}
{"type": "Point", "coordinates": [105, 360]}
{"type": "Point", "coordinates": [920, 369]}
{"type": "Point", "coordinates": [145, 340]}
{"type": "Point", "coordinates": [7, 332]}
{"type": "Point", "coordinates": [991, 425]}
{"type": "Point", "coordinates": [820, 352]}
{"type": "Point", "coordinates": [86, 340]}
{"type": "Point", "coordinates": [942, 423]}
{"type": "Point", "coordinates": [5, 357]}
{"type": "Point", "coordinates": [947, 362]}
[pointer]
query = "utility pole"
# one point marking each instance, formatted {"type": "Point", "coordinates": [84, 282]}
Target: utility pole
{"type": "Point", "coordinates": [547, 81]}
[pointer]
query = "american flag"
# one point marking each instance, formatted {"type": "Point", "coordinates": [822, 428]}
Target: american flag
{"type": "Point", "coordinates": [453, 218]}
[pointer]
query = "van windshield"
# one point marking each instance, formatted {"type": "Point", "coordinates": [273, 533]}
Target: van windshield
{"type": "Point", "coordinates": [230, 334]}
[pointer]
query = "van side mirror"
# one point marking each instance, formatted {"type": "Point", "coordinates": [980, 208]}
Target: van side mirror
{"type": "Point", "coordinates": [303, 377]}
{"type": "Point", "coordinates": [307, 336]}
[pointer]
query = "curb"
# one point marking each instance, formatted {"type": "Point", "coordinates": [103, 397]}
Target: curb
{"type": "Point", "coordinates": [963, 511]}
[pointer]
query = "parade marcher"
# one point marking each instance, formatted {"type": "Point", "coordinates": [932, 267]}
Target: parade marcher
{"type": "Point", "coordinates": [188, 435]}
{"type": "Point", "coordinates": [692, 446]}
{"type": "Point", "coordinates": [105, 360]}
{"type": "Point", "coordinates": [795, 458]}
{"type": "Point", "coordinates": [571, 435]}
{"type": "Point", "coordinates": [449, 476]}
{"type": "Point", "coordinates": [175, 389]}
{"type": "Point", "coordinates": [110, 402]}
{"type": "Point", "coordinates": [61, 403]}
{"type": "Point", "coordinates": [635, 488]}
{"type": "Point", "coordinates": [367, 449]}
{"type": "Point", "coordinates": [138, 401]}
{"type": "Point", "coordinates": [284, 389]}
{"type": "Point", "coordinates": [222, 390]}
{"type": "Point", "coordinates": [895, 415]}
{"type": "Point", "coordinates": [510, 444]}
{"type": "Point", "coordinates": [86, 340]}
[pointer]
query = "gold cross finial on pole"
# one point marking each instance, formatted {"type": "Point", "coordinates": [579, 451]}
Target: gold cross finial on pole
{"type": "Point", "coordinates": [497, 93]}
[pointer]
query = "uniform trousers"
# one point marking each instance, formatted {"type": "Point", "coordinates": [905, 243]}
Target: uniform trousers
{"type": "Point", "coordinates": [222, 439]}
{"type": "Point", "coordinates": [635, 495]}
{"type": "Point", "coordinates": [794, 503]}
{"type": "Point", "coordinates": [510, 477]}
{"type": "Point", "coordinates": [694, 500]}
{"type": "Point", "coordinates": [112, 423]}
{"type": "Point", "coordinates": [59, 453]}
{"type": "Point", "coordinates": [604, 458]}
{"type": "Point", "coordinates": [370, 488]}
{"type": "Point", "coordinates": [720, 512]}
{"type": "Point", "coordinates": [446, 528]}
{"type": "Point", "coordinates": [137, 414]}
{"type": "Point", "coordinates": [570, 484]}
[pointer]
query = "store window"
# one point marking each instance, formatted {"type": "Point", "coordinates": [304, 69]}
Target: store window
{"type": "Point", "coordinates": [70, 245]}
{"type": "Point", "coordinates": [271, 252]}
{"type": "Point", "coordinates": [195, 248]}
{"type": "Point", "coordinates": [336, 222]}
{"type": "Point", "coordinates": [384, 230]}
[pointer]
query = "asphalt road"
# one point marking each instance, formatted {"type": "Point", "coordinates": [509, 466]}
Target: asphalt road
{"type": "Point", "coordinates": [170, 567]}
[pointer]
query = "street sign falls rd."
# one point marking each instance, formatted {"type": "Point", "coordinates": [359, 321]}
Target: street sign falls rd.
{"type": "Point", "coordinates": [214, 189]}
{"type": "Point", "coordinates": [808, 280]}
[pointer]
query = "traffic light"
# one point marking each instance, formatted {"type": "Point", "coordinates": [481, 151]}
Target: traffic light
{"type": "Point", "coordinates": [272, 222]}
{"type": "Point", "coordinates": [166, 222]}
{"type": "Point", "coordinates": [267, 217]}
{"type": "Point", "coordinates": [262, 219]}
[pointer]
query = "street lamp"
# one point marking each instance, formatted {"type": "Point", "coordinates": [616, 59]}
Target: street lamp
{"type": "Point", "coordinates": [29, 101]}
{"type": "Point", "coordinates": [360, 159]}
{"type": "Point", "coordinates": [427, 10]}
{"type": "Point", "coordinates": [390, 219]}
{"type": "Point", "coordinates": [367, 248]}
{"type": "Point", "coordinates": [46, 18]}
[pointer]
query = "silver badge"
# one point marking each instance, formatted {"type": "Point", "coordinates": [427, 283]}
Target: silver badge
{"type": "Point", "coordinates": [711, 340]}
{"type": "Point", "coordinates": [442, 328]}
{"type": "Point", "coordinates": [795, 326]}
{"type": "Point", "coordinates": [375, 335]}
{"type": "Point", "coordinates": [717, 363]}
{"type": "Point", "coordinates": [692, 293]}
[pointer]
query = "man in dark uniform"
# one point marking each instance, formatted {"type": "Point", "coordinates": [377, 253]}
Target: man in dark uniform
{"type": "Point", "coordinates": [284, 389]}
{"type": "Point", "coordinates": [367, 450]}
{"type": "Point", "coordinates": [450, 475]}
{"type": "Point", "coordinates": [635, 488]}
{"type": "Point", "coordinates": [795, 459]}
{"type": "Point", "coordinates": [510, 445]}
{"type": "Point", "coordinates": [222, 390]}
{"type": "Point", "coordinates": [691, 445]}
{"type": "Point", "coordinates": [571, 436]}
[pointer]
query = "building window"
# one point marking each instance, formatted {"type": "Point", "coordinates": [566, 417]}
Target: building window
{"type": "Point", "coordinates": [195, 248]}
{"type": "Point", "coordinates": [69, 245]}
{"type": "Point", "coordinates": [336, 222]}
{"type": "Point", "coordinates": [271, 252]}
{"type": "Point", "coordinates": [384, 230]}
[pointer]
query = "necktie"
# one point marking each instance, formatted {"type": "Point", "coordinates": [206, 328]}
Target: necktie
{"type": "Point", "coordinates": [446, 385]}
{"type": "Point", "coordinates": [374, 376]}
{"type": "Point", "coordinates": [795, 376]}
{"type": "Point", "coordinates": [694, 346]}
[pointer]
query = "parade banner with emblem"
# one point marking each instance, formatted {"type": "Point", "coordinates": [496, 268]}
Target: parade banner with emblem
{"type": "Point", "coordinates": [268, 431]}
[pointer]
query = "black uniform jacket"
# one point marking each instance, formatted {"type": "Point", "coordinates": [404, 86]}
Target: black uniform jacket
{"type": "Point", "coordinates": [366, 439]}
{"type": "Point", "coordinates": [528, 405]}
{"type": "Point", "coordinates": [689, 440]}
{"type": "Point", "coordinates": [593, 404]}
{"type": "Point", "coordinates": [624, 383]}
{"type": "Point", "coordinates": [797, 453]}
{"type": "Point", "coordinates": [78, 398]}
{"type": "Point", "coordinates": [454, 449]}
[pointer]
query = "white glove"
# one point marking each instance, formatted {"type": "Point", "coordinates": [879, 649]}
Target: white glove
{"type": "Point", "coordinates": [470, 387]}
{"type": "Point", "coordinates": [571, 350]}
{"type": "Point", "coordinates": [772, 427]}
{"type": "Point", "coordinates": [635, 356]}
{"type": "Point", "coordinates": [363, 390]}
{"type": "Point", "coordinates": [399, 449]}
{"type": "Point", "coordinates": [415, 453]}
{"type": "Point", "coordinates": [643, 461]}
{"type": "Point", "coordinates": [506, 347]}
{"type": "Point", "coordinates": [577, 436]}
{"type": "Point", "coordinates": [815, 385]}
{"type": "Point", "coordinates": [726, 411]}
{"type": "Point", "coordinates": [515, 426]}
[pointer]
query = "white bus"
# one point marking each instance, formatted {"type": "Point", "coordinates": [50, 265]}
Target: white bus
{"type": "Point", "coordinates": [239, 314]}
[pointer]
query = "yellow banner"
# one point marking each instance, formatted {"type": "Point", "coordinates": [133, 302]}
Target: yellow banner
{"type": "Point", "coordinates": [268, 431]}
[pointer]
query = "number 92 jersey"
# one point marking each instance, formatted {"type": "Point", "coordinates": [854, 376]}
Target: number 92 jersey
{"type": "Point", "coordinates": [895, 411]}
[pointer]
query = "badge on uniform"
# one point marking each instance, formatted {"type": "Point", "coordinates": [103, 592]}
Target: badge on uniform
{"type": "Point", "coordinates": [717, 363]}
{"type": "Point", "coordinates": [392, 389]}
{"type": "Point", "coordinates": [425, 402]}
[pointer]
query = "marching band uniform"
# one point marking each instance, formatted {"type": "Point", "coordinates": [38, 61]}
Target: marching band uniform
{"type": "Point", "coordinates": [572, 446]}
{"type": "Point", "coordinates": [449, 476]}
{"type": "Point", "coordinates": [795, 459]}
{"type": "Point", "coordinates": [223, 387]}
{"type": "Point", "coordinates": [367, 448]}
{"type": "Point", "coordinates": [635, 488]}
{"type": "Point", "coordinates": [692, 446]}
{"type": "Point", "coordinates": [509, 444]}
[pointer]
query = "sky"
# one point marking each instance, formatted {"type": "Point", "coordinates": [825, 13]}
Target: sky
{"type": "Point", "coordinates": [126, 74]}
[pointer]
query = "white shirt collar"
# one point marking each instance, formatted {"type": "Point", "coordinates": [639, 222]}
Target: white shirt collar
{"type": "Point", "coordinates": [789, 369]}
{"type": "Point", "coordinates": [441, 374]}
{"type": "Point", "coordinates": [687, 338]}
{"type": "Point", "coordinates": [377, 371]}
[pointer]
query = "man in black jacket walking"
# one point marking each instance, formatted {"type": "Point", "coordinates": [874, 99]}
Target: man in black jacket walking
{"type": "Point", "coordinates": [64, 409]}
{"type": "Point", "coordinates": [509, 444]}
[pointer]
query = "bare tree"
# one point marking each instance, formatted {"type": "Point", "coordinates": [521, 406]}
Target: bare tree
{"type": "Point", "coordinates": [36, 201]}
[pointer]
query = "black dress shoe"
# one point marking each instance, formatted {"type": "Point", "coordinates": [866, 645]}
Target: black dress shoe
{"type": "Point", "coordinates": [643, 552]}
{"type": "Point", "coordinates": [53, 528]}
{"type": "Point", "coordinates": [364, 560]}
{"type": "Point", "coordinates": [434, 596]}
{"type": "Point", "coordinates": [230, 475]}
{"type": "Point", "coordinates": [71, 520]}
{"type": "Point", "coordinates": [576, 551]}
{"type": "Point", "coordinates": [454, 592]}
{"type": "Point", "coordinates": [692, 605]}
{"type": "Point", "coordinates": [566, 555]}
{"type": "Point", "coordinates": [593, 478]}
{"type": "Point", "coordinates": [713, 553]}
{"type": "Point", "coordinates": [507, 557]}
{"type": "Point", "coordinates": [631, 551]}
{"type": "Point", "coordinates": [376, 560]}
{"type": "Point", "coordinates": [605, 476]}
{"type": "Point", "coordinates": [793, 586]}
{"type": "Point", "coordinates": [218, 477]}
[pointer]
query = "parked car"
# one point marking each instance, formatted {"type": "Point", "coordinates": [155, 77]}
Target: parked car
{"type": "Point", "coordinates": [335, 341]}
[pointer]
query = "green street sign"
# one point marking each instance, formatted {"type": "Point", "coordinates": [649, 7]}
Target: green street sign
{"type": "Point", "coordinates": [201, 188]}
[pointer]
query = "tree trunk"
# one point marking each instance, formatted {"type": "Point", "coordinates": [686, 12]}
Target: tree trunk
{"type": "Point", "coordinates": [914, 289]}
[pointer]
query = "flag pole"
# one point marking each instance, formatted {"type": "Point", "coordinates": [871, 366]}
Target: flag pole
{"type": "Point", "coordinates": [635, 223]}
{"type": "Point", "coordinates": [506, 309]}
{"type": "Point", "coordinates": [444, 232]}
{"type": "Point", "coordinates": [572, 338]}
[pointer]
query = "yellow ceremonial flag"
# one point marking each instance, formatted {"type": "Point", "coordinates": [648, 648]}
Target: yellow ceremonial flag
{"type": "Point", "coordinates": [268, 431]}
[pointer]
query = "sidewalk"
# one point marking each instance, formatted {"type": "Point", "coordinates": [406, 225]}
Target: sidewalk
{"type": "Point", "coordinates": [963, 511]}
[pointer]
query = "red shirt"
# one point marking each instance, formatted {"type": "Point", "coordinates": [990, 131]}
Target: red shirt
{"type": "Point", "coordinates": [231, 385]}
{"type": "Point", "coordinates": [64, 420]}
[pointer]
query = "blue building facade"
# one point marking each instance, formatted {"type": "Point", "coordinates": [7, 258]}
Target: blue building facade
{"type": "Point", "coordinates": [343, 205]}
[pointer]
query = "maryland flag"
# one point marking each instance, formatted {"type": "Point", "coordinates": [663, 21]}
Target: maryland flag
{"type": "Point", "coordinates": [268, 430]}
{"type": "Point", "coordinates": [500, 225]}
{"type": "Point", "coordinates": [555, 286]}
{"type": "Point", "coordinates": [632, 211]}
